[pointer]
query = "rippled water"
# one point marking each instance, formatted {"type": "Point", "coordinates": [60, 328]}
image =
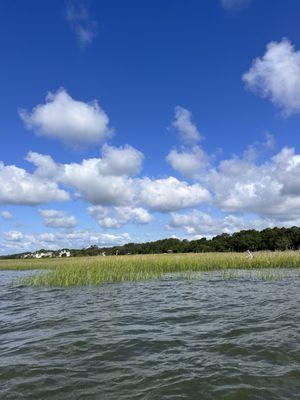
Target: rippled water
{"type": "Point", "coordinates": [173, 339]}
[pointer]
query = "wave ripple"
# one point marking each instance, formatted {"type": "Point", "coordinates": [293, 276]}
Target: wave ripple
{"type": "Point", "coordinates": [173, 339]}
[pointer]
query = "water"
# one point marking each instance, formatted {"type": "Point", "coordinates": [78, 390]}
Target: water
{"type": "Point", "coordinates": [174, 339]}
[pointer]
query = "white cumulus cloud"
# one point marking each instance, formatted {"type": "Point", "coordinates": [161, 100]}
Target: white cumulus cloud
{"type": "Point", "coordinates": [170, 194]}
{"type": "Point", "coordinates": [71, 121]}
{"type": "Point", "coordinates": [45, 165]}
{"type": "Point", "coordinates": [200, 223]}
{"type": "Point", "coordinates": [276, 76]}
{"type": "Point", "coordinates": [183, 123]}
{"type": "Point", "coordinates": [17, 186]}
{"type": "Point", "coordinates": [189, 162]}
{"type": "Point", "coordinates": [119, 216]}
{"type": "Point", "coordinates": [270, 189]}
{"type": "Point", "coordinates": [119, 161]}
{"type": "Point", "coordinates": [109, 181]}
{"type": "Point", "coordinates": [58, 219]}
{"type": "Point", "coordinates": [101, 181]}
{"type": "Point", "coordinates": [105, 180]}
{"type": "Point", "coordinates": [96, 188]}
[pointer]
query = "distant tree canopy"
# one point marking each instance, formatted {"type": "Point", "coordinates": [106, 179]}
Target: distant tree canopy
{"type": "Point", "coordinates": [268, 239]}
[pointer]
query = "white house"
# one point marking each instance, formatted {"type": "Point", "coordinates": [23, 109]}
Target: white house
{"type": "Point", "coordinates": [43, 254]}
{"type": "Point", "coordinates": [64, 253]}
{"type": "Point", "coordinates": [28, 255]}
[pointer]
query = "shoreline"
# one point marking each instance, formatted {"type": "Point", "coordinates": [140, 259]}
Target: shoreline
{"type": "Point", "coordinates": [82, 271]}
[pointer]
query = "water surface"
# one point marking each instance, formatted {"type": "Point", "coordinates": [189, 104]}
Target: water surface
{"type": "Point", "coordinates": [173, 339]}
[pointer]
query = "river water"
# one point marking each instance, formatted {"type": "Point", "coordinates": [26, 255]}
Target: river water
{"type": "Point", "coordinates": [175, 339]}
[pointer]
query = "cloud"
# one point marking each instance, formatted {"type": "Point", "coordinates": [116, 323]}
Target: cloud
{"type": "Point", "coordinates": [119, 161]}
{"type": "Point", "coordinates": [234, 4]}
{"type": "Point", "coordinates": [109, 181]}
{"type": "Point", "coordinates": [171, 194]}
{"type": "Point", "coordinates": [58, 219]}
{"type": "Point", "coordinates": [96, 188]}
{"type": "Point", "coordinates": [13, 236]}
{"type": "Point", "coordinates": [189, 162]}
{"type": "Point", "coordinates": [22, 188]}
{"type": "Point", "coordinates": [6, 214]}
{"type": "Point", "coordinates": [269, 142]}
{"type": "Point", "coordinates": [255, 150]}
{"type": "Point", "coordinates": [186, 129]}
{"type": "Point", "coordinates": [248, 191]}
{"type": "Point", "coordinates": [270, 189]}
{"type": "Point", "coordinates": [101, 215]}
{"type": "Point", "coordinates": [138, 214]}
{"type": "Point", "coordinates": [80, 22]}
{"type": "Point", "coordinates": [117, 194]}
{"type": "Point", "coordinates": [121, 216]}
{"type": "Point", "coordinates": [200, 223]}
{"type": "Point", "coordinates": [15, 241]}
{"type": "Point", "coordinates": [45, 165]}
{"type": "Point", "coordinates": [71, 121]}
{"type": "Point", "coordinates": [276, 76]}
{"type": "Point", "coordinates": [102, 181]}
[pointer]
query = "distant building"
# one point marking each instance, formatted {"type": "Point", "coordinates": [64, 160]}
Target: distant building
{"type": "Point", "coordinates": [47, 254]}
{"type": "Point", "coordinates": [64, 253]}
{"type": "Point", "coordinates": [28, 255]}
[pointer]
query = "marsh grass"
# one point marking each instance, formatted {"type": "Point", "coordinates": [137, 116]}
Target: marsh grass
{"type": "Point", "coordinates": [97, 270]}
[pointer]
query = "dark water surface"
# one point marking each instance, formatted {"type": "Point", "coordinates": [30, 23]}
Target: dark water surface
{"type": "Point", "coordinates": [174, 339]}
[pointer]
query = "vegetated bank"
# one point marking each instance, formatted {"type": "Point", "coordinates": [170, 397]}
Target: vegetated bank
{"type": "Point", "coordinates": [97, 270]}
{"type": "Point", "coordinates": [268, 239]}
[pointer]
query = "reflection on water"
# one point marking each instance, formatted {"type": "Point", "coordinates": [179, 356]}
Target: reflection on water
{"type": "Point", "coordinates": [173, 339]}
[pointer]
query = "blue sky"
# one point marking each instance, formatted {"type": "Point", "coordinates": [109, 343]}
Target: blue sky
{"type": "Point", "coordinates": [134, 121]}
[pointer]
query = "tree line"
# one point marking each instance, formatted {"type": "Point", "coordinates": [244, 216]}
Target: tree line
{"type": "Point", "coordinates": [268, 239]}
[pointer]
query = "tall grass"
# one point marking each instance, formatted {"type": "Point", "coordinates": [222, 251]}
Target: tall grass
{"type": "Point", "coordinates": [97, 270]}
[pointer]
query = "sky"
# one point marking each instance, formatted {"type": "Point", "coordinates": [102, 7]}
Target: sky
{"type": "Point", "coordinates": [135, 121]}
